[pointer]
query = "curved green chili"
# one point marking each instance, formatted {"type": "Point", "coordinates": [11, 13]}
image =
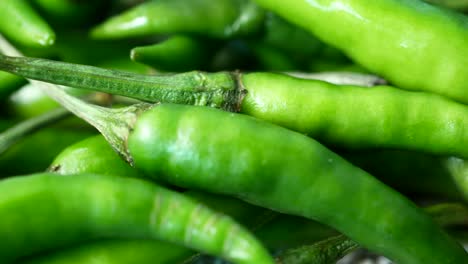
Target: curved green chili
{"type": "Point", "coordinates": [332, 249]}
{"type": "Point", "coordinates": [93, 206]}
{"type": "Point", "coordinates": [221, 19]}
{"type": "Point", "coordinates": [350, 116]}
{"type": "Point", "coordinates": [28, 155]}
{"type": "Point", "coordinates": [19, 131]}
{"type": "Point", "coordinates": [116, 252]}
{"type": "Point", "coordinates": [71, 12]}
{"type": "Point", "coordinates": [244, 154]}
{"type": "Point", "coordinates": [22, 24]}
{"type": "Point", "coordinates": [413, 44]}
{"type": "Point", "coordinates": [177, 53]}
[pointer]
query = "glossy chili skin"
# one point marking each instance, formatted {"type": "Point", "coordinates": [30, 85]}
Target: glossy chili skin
{"type": "Point", "coordinates": [94, 206]}
{"type": "Point", "coordinates": [22, 24]}
{"type": "Point", "coordinates": [220, 19]}
{"type": "Point", "coordinates": [359, 117]}
{"type": "Point", "coordinates": [265, 164]}
{"type": "Point", "coordinates": [413, 44]}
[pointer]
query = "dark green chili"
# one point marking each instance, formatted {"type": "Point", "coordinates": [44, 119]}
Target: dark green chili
{"type": "Point", "coordinates": [413, 44]}
{"type": "Point", "coordinates": [350, 116]}
{"type": "Point", "coordinates": [332, 249]}
{"type": "Point", "coordinates": [92, 206]}
{"type": "Point", "coordinates": [221, 19]}
{"type": "Point", "coordinates": [22, 24]}
{"type": "Point", "coordinates": [461, 5]}
{"type": "Point", "coordinates": [19, 131]}
{"type": "Point", "coordinates": [71, 12]}
{"type": "Point", "coordinates": [116, 252]}
{"type": "Point", "coordinates": [177, 53]}
{"type": "Point", "coordinates": [35, 152]}
{"type": "Point", "coordinates": [166, 143]}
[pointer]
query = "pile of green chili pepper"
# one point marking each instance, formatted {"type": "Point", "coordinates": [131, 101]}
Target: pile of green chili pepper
{"type": "Point", "coordinates": [246, 131]}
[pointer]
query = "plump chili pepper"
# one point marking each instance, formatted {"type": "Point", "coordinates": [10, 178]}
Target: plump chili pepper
{"type": "Point", "coordinates": [95, 155]}
{"type": "Point", "coordinates": [414, 45]}
{"type": "Point", "coordinates": [177, 53]}
{"type": "Point", "coordinates": [91, 206]}
{"type": "Point", "coordinates": [22, 24]}
{"type": "Point", "coordinates": [220, 19]}
{"type": "Point", "coordinates": [70, 12]}
{"type": "Point", "coordinates": [166, 143]}
{"type": "Point", "coordinates": [383, 116]}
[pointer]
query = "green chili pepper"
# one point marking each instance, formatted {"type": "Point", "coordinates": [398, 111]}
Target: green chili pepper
{"type": "Point", "coordinates": [116, 252]}
{"type": "Point", "coordinates": [412, 44]}
{"type": "Point", "coordinates": [296, 43]}
{"type": "Point", "coordinates": [178, 53]}
{"type": "Point", "coordinates": [35, 152]}
{"type": "Point", "coordinates": [71, 12]}
{"type": "Point", "coordinates": [96, 156]}
{"type": "Point", "coordinates": [166, 143]}
{"type": "Point", "coordinates": [220, 19]}
{"type": "Point", "coordinates": [332, 249]}
{"type": "Point", "coordinates": [272, 59]}
{"type": "Point", "coordinates": [349, 116]}
{"type": "Point", "coordinates": [92, 206]}
{"type": "Point", "coordinates": [461, 5]}
{"type": "Point", "coordinates": [10, 136]}
{"type": "Point", "coordinates": [21, 23]}
{"type": "Point", "coordinates": [409, 172]}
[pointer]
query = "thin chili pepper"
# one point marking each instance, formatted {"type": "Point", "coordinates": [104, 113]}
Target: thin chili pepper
{"type": "Point", "coordinates": [220, 19]}
{"type": "Point", "coordinates": [22, 24]}
{"type": "Point", "coordinates": [29, 155]}
{"type": "Point", "coordinates": [412, 44]}
{"type": "Point", "coordinates": [349, 116]}
{"type": "Point", "coordinates": [70, 12]}
{"type": "Point", "coordinates": [19, 131]}
{"type": "Point", "coordinates": [92, 206]}
{"type": "Point", "coordinates": [116, 252]}
{"type": "Point", "coordinates": [177, 53]}
{"type": "Point", "coordinates": [461, 5]}
{"type": "Point", "coordinates": [332, 249]}
{"type": "Point", "coordinates": [412, 173]}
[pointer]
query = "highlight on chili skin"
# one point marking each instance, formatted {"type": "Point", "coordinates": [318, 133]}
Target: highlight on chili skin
{"type": "Point", "coordinates": [240, 131]}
